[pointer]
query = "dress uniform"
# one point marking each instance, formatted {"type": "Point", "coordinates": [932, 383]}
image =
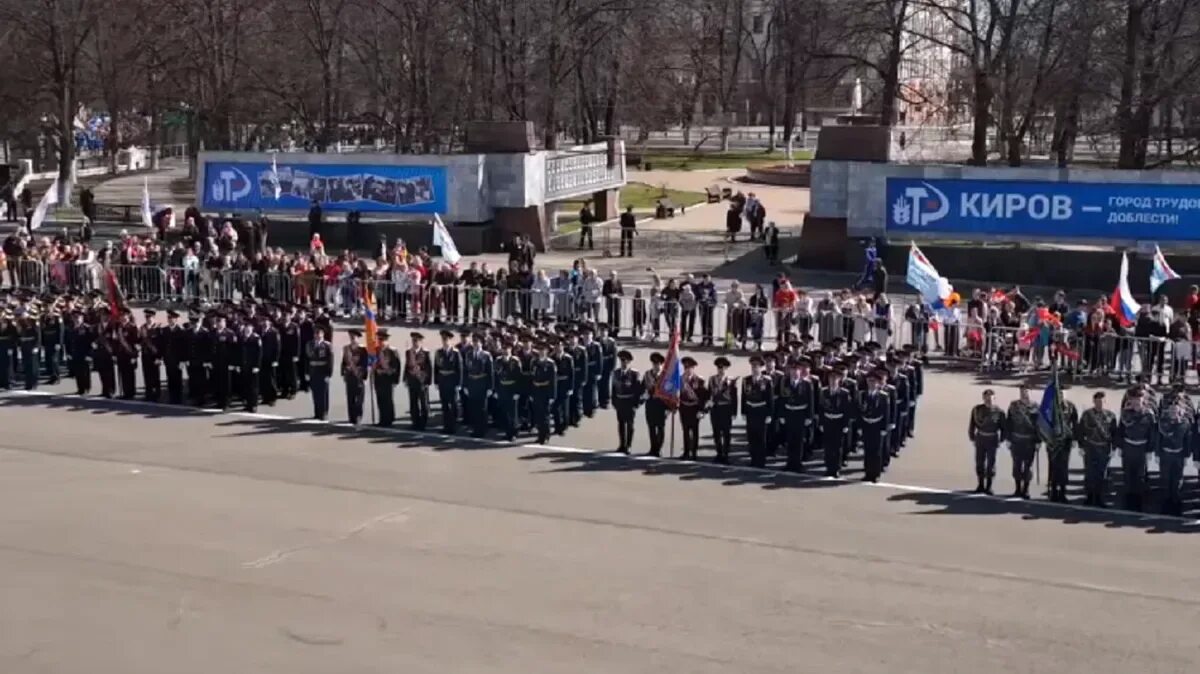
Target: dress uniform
{"type": "Point", "coordinates": [904, 404]}
{"type": "Point", "coordinates": [224, 362]}
{"type": "Point", "coordinates": [384, 378]}
{"type": "Point", "coordinates": [53, 344]}
{"type": "Point", "coordinates": [480, 382]}
{"type": "Point", "coordinates": [799, 396]}
{"type": "Point", "coordinates": [608, 365]}
{"type": "Point", "coordinates": [723, 408]}
{"type": "Point", "coordinates": [30, 340]}
{"type": "Point", "coordinates": [8, 344]}
{"type": "Point", "coordinates": [354, 376]}
{"type": "Point", "coordinates": [290, 349]}
{"type": "Point", "coordinates": [449, 379]}
{"type": "Point", "coordinates": [319, 361]}
{"type": "Point", "coordinates": [308, 333]}
{"type": "Point", "coordinates": [150, 344]}
{"type": "Point", "coordinates": [837, 413]}
{"type": "Point", "coordinates": [580, 358]}
{"type": "Point", "coordinates": [915, 377]}
{"type": "Point", "coordinates": [656, 409]}
{"type": "Point", "coordinates": [1095, 432]}
{"type": "Point", "coordinates": [80, 349]}
{"type": "Point", "coordinates": [418, 375]}
{"type": "Point", "coordinates": [565, 364]}
{"type": "Point", "coordinates": [543, 382]}
{"type": "Point", "coordinates": [126, 352]}
{"type": "Point", "coordinates": [985, 431]}
{"type": "Point", "coordinates": [1136, 434]}
{"type": "Point", "coordinates": [268, 376]}
{"type": "Point", "coordinates": [775, 427]}
{"type": "Point", "coordinates": [1058, 451]}
{"type": "Point", "coordinates": [509, 378]}
{"type": "Point", "coordinates": [174, 340]}
{"type": "Point", "coordinates": [758, 401]}
{"type": "Point", "coordinates": [1021, 430]}
{"type": "Point", "coordinates": [250, 366]}
{"type": "Point", "coordinates": [104, 360]}
{"type": "Point", "coordinates": [595, 365]}
{"type": "Point", "coordinates": [627, 393]}
{"type": "Point", "coordinates": [875, 423]}
{"type": "Point", "coordinates": [199, 359]}
{"type": "Point", "coordinates": [1175, 443]}
{"type": "Point", "coordinates": [693, 397]}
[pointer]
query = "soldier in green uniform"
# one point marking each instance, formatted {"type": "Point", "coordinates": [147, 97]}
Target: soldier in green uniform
{"type": "Point", "coordinates": [986, 432]}
{"type": "Point", "coordinates": [1058, 450]}
{"type": "Point", "coordinates": [626, 396]}
{"type": "Point", "coordinates": [1174, 444]}
{"type": "Point", "coordinates": [1137, 435]}
{"type": "Point", "coordinates": [1022, 434]}
{"type": "Point", "coordinates": [1095, 433]}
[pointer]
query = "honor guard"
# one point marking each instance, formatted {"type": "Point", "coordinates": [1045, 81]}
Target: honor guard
{"type": "Point", "coordinates": [1136, 435]}
{"type": "Point", "coordinates": [986, 432]}
{"type": "Point", "coordinates": [149, 343]}
{"type": "Point", "coordinates": [223, 361]}
{"type": "Point", "coordinates": [1022, 433]}
{"type": "Point", "coordinates": [8, 344]}
{"type": "Point", "coordinates": [175, 356]}
{"type": "Point", "coordinates": [656, 409]}
{"type": "Point", "coordinates": [626, 395]}
{"type": "Point", "coordinates": [290, 349]}
{"type": "Point", "coordinates": [543, 380]}
{"type": "Point", "coordinates": [903, 395]}
{"type": "Point", "coordinates": [418, 375]}
{"type": "Point", "coordinates": [53, 343]}
{"type": "Point", "coordinates": [354, 374]}
{"type": "Point", "coordinates": [565, 365]}
{"type": "Point", "coordinates": [318, 359]}
{"type": "Point", "coordinates": [383, 376]}
{"type": "Point", "coordinates": [1058, 450]}
{"type": "Point", "coordinates": [250, 366]}
{"type": "Point", "coordinates": [272, 351]}
{"type": "Point", "coordinates": [580, 358]}
{"type": "Point", "coordinates": [837, 412]}
{"type": "Point", "coordinates": [308, 334]}
{"type": "Point", "coordinates": [126, 351]}
{"type": "Point", "coordinates": [103, 358]}
{"type": "Point", "coordinates": [693, 397]}
{"type": "Point", "coordinates": [29, 337]}
{"type": "Point", "coordinates": [875, 424]}
{"type": "Point", "coordinates": [799, 402]}
{"type": "Point", "coordinates": [915, 374]}
{"type": "Point", "coordinates": [79, 348]}
{"type": "Point", "coordinates": [1175, 444]}
{"type": "Point", "coordinates": [480, 377]}
{"type": "Point", "coordinates": [608, 365]}
{"type": "Point", "coordinates": [1095, 433]}
{"type": "Point", "coordinates": [722, 408]}
{"type": "Point", "coordinates": [758, 400]}
{"type": "Point", "coordinates": [448, 362]}
{"type": "Point", "coordinates": [509, 378]}
{"type": "Point", "coordinates": [595, 364]}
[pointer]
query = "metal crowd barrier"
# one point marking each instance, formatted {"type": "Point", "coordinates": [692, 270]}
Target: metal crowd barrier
{"type": "Point", "coordinates": [25, 274]}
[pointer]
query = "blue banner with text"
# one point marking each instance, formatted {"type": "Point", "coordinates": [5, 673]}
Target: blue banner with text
{"type": "Point", "coordinates": [247, 186]}
{"type": "Point", "coordinates": [1058, 210]}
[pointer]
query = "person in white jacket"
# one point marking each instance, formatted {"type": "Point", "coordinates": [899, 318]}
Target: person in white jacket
{"type": "Point", "coordinates": [589, 291]}
{"type": "Point", "coordinates": [540, 290]}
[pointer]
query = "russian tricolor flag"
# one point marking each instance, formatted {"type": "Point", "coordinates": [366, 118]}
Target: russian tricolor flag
{"type": "Point", "coordinates": [1123, 304]}
{"type": "Point", "coordinates": [1161, 272]}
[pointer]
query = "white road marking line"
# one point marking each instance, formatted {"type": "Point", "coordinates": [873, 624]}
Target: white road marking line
{"type": "Point", "coordinates": [767, 472]}
{"type": "Point", "coordinates": [280, 555]}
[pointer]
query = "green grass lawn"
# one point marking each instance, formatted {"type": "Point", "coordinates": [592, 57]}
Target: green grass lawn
{"type": "Point", "coordinates": [641, 196]}
{"type": "Point", "coordinates": [692, 161]}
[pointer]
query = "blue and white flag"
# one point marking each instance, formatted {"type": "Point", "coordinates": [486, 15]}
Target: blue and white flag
{"type": "Point", "coordinates": [441, 239]}
{"type": "Point", "coordinates": [273, 178]}
{"type": "Point", "coordinates": [1160, 272]}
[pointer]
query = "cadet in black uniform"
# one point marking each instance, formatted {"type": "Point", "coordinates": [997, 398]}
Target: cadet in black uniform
{"type": "Point", "coordinates": [656, 409]}
{"type": "Point", "coordinates": [799, 403]}
{"type": "Point", "coordinates": [174, 340]}
{"type": "Point", "coordinates": [986, 432]}
{"type": "Point", "coordinates": [509, 377]}
{"type": "Point", "coordinates": [875, 420]}
{"type": "Point", "coordinates": [200, 343]}
{"type": "Point", "coordinates": [775, 427]}
{"type": "Point", "coordinates": [758, 400]}
{"type": "Point", "coordinates": [290, 349]}
{"type": "Point", "coordinates": [250, 366]}
{"type": "Point", "coordinates": [354, 374]}
{"type": "Point", "coordinates": [151, 344]}
{"type": "Point", "coordinates": [580, 358]}
{"type": "Point", "coordinates": [480, 382]}
{"type": "Point", "coordinates": [126, 352]}
{"type": "Point", "coordinates": [418, 375]}
{"type": "Point", "coordinates": [224, 361]}
{"type": "Point", "coordinates": [30, 339]}
{"type": "Point", "coordinates": [103, 358]}
{"type": "Point", "coordinates": [80, 349]}
{"type": "Point", "coordinates": [566, 384]}
{"type": "Point", "coordinates": [1095, 434]}
{"type": "Point", "coordinates": [723, 406]}
{"type": "Point", "coordinates": [53, 336]}
{"type": "Point", "coordinates": [8, 345]}
{"type": "Point", "coordinates": [543, 377]}
{"type": "Point", "coordinates": [837, 411]}
{"type": "Point", "coordinates": [385, 376]}
{"type": "Point", "coordinates": [608, 364]}
{"type": "Point", "coordinates": [693, 397]}
{"type": "Point", "coordinates": [626, 396]}
{"type": "Point", "coordinates": [595, 364]}
{"type": "Point", "coordinates": [308, 332]}
{"type": "Point", "coordinates": [448, 362]}
{"type": "Point", "coordinates": [268, 374]}
{"type": "Point", "coordinates": [319, 359]}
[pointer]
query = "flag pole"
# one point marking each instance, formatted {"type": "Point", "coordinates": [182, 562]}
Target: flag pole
{"type": "Point", "coordinates": [371, 383]}
{"type": "Point", "coordinates": [672, 434]}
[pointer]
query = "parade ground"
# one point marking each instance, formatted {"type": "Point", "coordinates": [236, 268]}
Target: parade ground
{"type": "Point", "coordinates": [139, 537]}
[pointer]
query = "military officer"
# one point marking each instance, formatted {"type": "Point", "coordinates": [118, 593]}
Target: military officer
{"type": "Point", "coordinates": [986, 432]}
{"type": "Point", "coordinates": [543, 380]}
{"type": "Point", "coordinates": [800, 397]}
{"type": "Point", "coordinates": [1174, 442]}
{"type": "Point", "coordinates": [480, 378]}
{"type": "Point", "coordinates": [272, 351]}
{"type": "Point", "coordinates": [579, 357]}
{"type": "Point", "coordinates": [291, 349]}
{"type": "Point", "coordinates": [837, 411]}
{"type": "Point", "coordinates": [250, 366]}
{"type": "Point", "coordinates": [722, 408]}
{"type": "Point", "coordinates": [150, 344]}
{"type": "Point", "coordinates": [223, 360]}
{"type": "Point", "coordinates": [30, 340]}
{"type": "Point", "coordinates": [418, 375]}
{"type": "Point", "coordinates": [1022, 433]}
{"type": "Point", "coordinates": [1058, 450]}
{"type": "Point", "coordinates": [354, 375]}
{"type": "Point", "coordinates": [318, 360]}
{"type": "Point", "coordinates": [1095, 433]}
{"type": "Point", "coordinates": [758, 400]}
{"type": "Point", "coordinates": [509, 378]}
{"type": "Point", "coordinates": [595, 366]}
{"type": "Point", "coordinates": [126, 351]}
{"type": "Point", "coordinates": [103, 358]}
{"type": "Point", "coordinates": [448, 362]}
{"type": "Point", "coordinates": [1136, 434]}
{"type": "Point", "coordinates": [626, 396]}
{"type": "Point", "coordinates": [384, 376]}
{"type": "Point", "coordinates": [53, 337]}
{"type": "Point", "coordinates": [80, 349]}
{"type": "Point", "coordinates": [199, 359]}
{"type": "Point", "coordinates": [175, 356]}
{"type": "Point", "coordinates": [656, 409]}
{"type": "Point", "coordinates": [693, 396]}
{"type": "Point", "coordinates": [876, 421]}
{"type": "Point", "coordinates": [608, 364]}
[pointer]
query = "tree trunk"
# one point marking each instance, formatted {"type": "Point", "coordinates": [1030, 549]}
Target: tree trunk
{"type": "Point", "coordinates": [66, 144]}
{"type": "Point", "coordinates": [982, 113]}
{"type": "Point", "coordinates": [1125, 124]}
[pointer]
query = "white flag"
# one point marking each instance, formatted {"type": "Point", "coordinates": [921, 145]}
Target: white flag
{"type": "Point", "coordinates": [50, 198]}
{"type": "Point", "coordinates": [147, 213]}
{"type": "Point", "coordinates": [274, 178]}
{"type": "Point", "coordinates": [441, 238]}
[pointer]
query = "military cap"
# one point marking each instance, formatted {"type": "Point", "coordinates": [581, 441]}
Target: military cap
{"type": "Point", "coordinates": [882, 372]}
{"type": "Point", "coordinates": [416, 335]}
{"type": "Point", "coordinates": [806, 337]}
{"type": "Point", "coordinates": [756, 359]}
{"type": "Point", "coordinates": [838, 341]}
{"type": "Point", "coordinates": [1098, 395]}
{"type": "Point", "coordinates": [585, 329]}
{"type": "Point", "coordinates": [149, 312]}
{"type": "Point", "coordinates": [465, 331]}
{"type": "Point", "coordinates": [802, 361]}
{"type": "Point", "coordinates": [193, 316]}
{"type": "Point", "coordinates": [447, 334]}
{"type": "Point", "coordinates": [795, 344]}
{"type": "Point", "coordinates": [988, 392]}
{"type": "Point", "coordinates": [624, 355]}
{"type": "Point", "coordinates": [839, 370]}
{"type": "Point", "coordinates": [602, 326]}
{"type": "Point", "coordinates": [872, 346]}
{"type": "Point", "coordinates": [657, 357]}
{"type": "Point", "coordinates": [478, 336]}
{"type": "Point", "coordinates": [721, 361]}
{"type": "Point", "coordinates": [874, 374]}
{"type": "Point", "coordinates": [171, 313]}
{"type": "Point", "coordinates": [539, 346]}
{"type": "Point", "coordinates": [354, 332]}
{"type": "Point", "coordinates": [688, 361]}
{"type": "Point", "coordinates": [127, 312]}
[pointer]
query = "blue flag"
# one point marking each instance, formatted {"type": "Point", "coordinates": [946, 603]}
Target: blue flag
{"type": "Point", "coordinates": [671, 381]}
{"type": "Point", "coordinates": [1050, 411]}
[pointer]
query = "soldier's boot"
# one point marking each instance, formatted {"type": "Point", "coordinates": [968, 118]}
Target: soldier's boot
{"type": "Point", "coordinates": [987, 486]}
{"type": "Point", "coordinates": [979, 487]}
{"type": "Point", "coordinates": [1025, 490]}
